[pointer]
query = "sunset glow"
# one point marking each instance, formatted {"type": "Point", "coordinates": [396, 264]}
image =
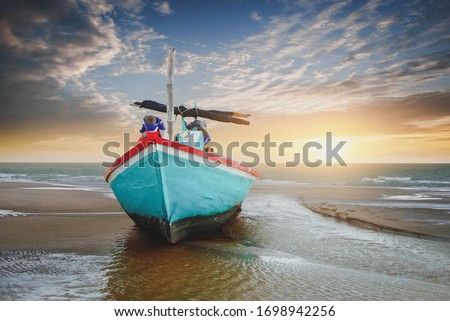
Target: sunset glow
{"type": "Point", "coordinates": [374, 73]}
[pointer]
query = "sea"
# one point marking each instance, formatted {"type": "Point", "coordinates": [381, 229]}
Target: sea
{"type": "Point", "coordinates": [276, 249]}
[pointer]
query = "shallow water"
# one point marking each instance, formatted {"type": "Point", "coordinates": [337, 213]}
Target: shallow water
{"type": "Point", "coordinates": [275, 250]}
{"type": "Point", "coordinates": [40, 275]}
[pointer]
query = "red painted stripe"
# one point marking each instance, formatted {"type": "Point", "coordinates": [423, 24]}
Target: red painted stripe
{"type": "Point", "coordinates": [165, 142]}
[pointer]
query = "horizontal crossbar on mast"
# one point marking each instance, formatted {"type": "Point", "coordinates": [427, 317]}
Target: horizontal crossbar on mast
{"type": "Point", "coordinates": [222, 116]}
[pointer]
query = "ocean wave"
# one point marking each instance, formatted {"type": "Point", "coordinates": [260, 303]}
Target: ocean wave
{"type": "Point", "coordinates": [382, 179]}
{"type": "Point", "coordinates": [49, 178]}
{"type": "Point", "coordinates": [58, 182]}
{"type": "Point", "coordinates": [425, 181]}
{"type": "Point", "coordinates": [413, 197]}
{"type": "Point", "coordinates": [405, 180]}
{"type": "Point", "coordinates": [19, 178]}
{"type": "Point", "coordinates": [389, 204]}
{"type": "Point", "coordinates": [429, 189]}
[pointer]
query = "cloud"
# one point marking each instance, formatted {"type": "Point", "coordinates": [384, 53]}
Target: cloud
{"type": "Point", "coordinates": [332, 56]}
{"type": "Point", "coordinates": [137, 53]}
{"type": "Point", "coordinates": [163, 7]}
{"type": "Point", "coordinates": [58, 57]}
{"type": "Point", "coordinates": [386, 61]}
{"type": "Point", "coordinates": [56, 40]}
{"type": "Point", "coordinates": [132, 7]}
{"type": "Point", "coordinates": [255, 16]}
{"type": "Point", "coordinates": [10, 40]}
{"type": "Point", "coordinates": [45, 49]}
{"type": "Point", "coordinates": [432, 123]}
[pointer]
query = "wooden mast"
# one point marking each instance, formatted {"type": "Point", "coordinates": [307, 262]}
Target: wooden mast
{"type": "Point", "coordinates": [170, 112]}
{"type": "Point", "coordinates": [218, 115]}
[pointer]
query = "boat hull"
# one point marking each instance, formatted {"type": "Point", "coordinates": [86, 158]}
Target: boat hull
{"type": "Point", "coordinates": [177, 190]}
{"type": "Point", "coordinates": [178, 230]}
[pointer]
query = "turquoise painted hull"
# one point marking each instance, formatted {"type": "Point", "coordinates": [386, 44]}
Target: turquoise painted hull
{"type": "Point", "coordinates": [177, 193]}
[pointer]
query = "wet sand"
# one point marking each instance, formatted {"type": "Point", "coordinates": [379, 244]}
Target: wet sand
{"type": "Point", "coordinates": [44, 198]}
{"type": "Point", "coordinates": [59, 220]}
{"type": "Point", "coordinates": [69, 220]}
{"type": "Point", "coordinates": [73, 233]}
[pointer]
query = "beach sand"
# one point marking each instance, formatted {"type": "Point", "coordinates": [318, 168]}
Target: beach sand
{"type": "Point", "coordinates": [60, 220]}
{"type": "Point", "coordinates": [45, 198]}
{"type": "Point", "coordinates": [90, 221]}
{"type": "Point", "coordinates": [73, 233]}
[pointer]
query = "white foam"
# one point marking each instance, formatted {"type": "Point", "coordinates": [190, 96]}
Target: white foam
{"type": "Point", "coordinates": [382, 179]}
{"type": "Point", "coordinates": [425, 181]}
{"type": "Point", "coordinates": [4, 213]}
{"type": "Point", "coordinates": [19, 178]}
{"type": "Point", "coordinates": [288, 259]}
{"type": "Point", "coordinates": [435, 206]}
{"type": "Point", "coordinates": [396, 178]}
{"type": "Point", "coordinates": [413, 197]}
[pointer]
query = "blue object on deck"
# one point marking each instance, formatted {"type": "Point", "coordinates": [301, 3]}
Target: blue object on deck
{"type": "Point", "coordinates": [193, 138]}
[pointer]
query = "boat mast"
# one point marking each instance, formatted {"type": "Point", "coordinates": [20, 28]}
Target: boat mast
{"type": "Point", "coordinates": [170, 112]}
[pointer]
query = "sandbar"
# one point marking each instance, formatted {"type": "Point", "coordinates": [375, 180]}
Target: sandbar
{"type": "Point", "coordinates": [399, 220]}
{"type": "Point", "coordinates": [335, 202]}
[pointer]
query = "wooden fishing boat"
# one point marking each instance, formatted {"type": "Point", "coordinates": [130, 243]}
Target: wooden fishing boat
{"type": "Point", "coordinates": [174, 187]}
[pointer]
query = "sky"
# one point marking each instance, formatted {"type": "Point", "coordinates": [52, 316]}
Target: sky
{"type": "Point", "coordinates": [374, 73]}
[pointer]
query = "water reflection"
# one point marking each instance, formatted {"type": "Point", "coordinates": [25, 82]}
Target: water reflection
{"type": "Point", "coordinates": [145, 267]}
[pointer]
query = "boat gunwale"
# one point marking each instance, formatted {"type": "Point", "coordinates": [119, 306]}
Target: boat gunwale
{"type": "Point", "coordinates": [165, 142]}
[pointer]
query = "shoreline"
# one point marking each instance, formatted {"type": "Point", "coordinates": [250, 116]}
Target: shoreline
{"type": "Point", "coordinates": [330, 201]}
{"type": "Point", "coordinates": [405, 222]}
